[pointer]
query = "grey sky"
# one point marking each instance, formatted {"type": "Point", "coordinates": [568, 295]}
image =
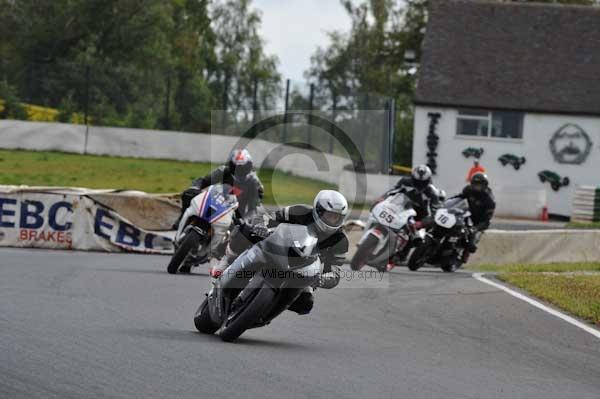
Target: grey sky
{"type": "Point", "coordinates": [294, 28]}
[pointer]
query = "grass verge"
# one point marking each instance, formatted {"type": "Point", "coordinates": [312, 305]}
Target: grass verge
{"type": "Point", "coordinates": [545, 268]}
{"type": "Point", "coordinates": [151, 175]}
{"type": "Point", "coordinates": [565, 285]}
{"type": "Point", "coordinates": [577, 294]}
{"type": "Point", "coordinates": [584, 226]}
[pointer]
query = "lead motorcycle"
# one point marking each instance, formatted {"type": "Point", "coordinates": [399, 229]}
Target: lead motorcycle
{"type": "Point", "coordinates": [388, 231]}
{"type": "Point", "coordinates": [203, 229]}
{"type": "Point", "coordinates": [259, 286]}
{"type": "Point", "coordinates": [444, 244]}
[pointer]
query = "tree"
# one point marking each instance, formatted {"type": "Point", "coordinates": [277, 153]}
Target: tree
{"type": "Point", "coordinates": [572, 2]}
{"type": "Point", "coordinates": [370, 59]}
{"type": "Point", "coordinates": [193, 52]}
{"type": "Point", "coordinates": [137, 63]}
{"type": "Point", "coordinates": [241, 63]}
{"type": "Point", "coordinates": [10, 106]}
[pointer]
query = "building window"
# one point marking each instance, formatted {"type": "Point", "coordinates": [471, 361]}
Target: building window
{"type": "Point", "coordinates": [497, 124]}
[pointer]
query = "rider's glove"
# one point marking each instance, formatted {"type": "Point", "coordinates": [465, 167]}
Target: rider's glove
{"type": "Point", "coordinates": [272, 223]}
{"type": "Point", "coordinates": [331, 279]}
{"type": "Point", "coordinates": [412, 226]}
{"type": "Point", "coordinates": [260, 231]}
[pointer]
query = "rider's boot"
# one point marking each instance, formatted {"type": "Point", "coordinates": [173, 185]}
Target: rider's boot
{"type": "Point", "coordinates": [304, 303]}
{"type": "Point", "coordinates": [400, 257]}
{"type": "Point", "coordinates": [465, 256]}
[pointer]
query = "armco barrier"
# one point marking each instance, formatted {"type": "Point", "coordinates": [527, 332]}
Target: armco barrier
{"type": "Point", "coordinates": [527, 247]}
{"type": "Point", "coordinates": [100, 220]}
{"type": "Point", "coordinates": [586, 204]}
{"type": "Point", "coordinates": [107, 220]}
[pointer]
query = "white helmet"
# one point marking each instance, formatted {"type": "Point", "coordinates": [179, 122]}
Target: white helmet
{"type": "Point", "coordinates": [330, 209]}
{"type": "Point", "coordinates": [421, 176]}
{"type": "Point", "coordinates": [240, 163]}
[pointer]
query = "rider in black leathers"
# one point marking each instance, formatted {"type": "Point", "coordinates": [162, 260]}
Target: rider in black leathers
{"type": "Point", "coordinates": [418, 187]}
{"type": "Point", "coordinates": [481, 205]}
{"type": "Point", "coordinates": [425, 198]}
{"type": "Point", "coordinates": [327, 215]}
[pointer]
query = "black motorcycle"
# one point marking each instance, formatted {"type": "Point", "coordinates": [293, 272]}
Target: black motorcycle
{"type": "Point", "coordinates": [445, 243]}
{"type": "Point", "coordinates": [262, 284]}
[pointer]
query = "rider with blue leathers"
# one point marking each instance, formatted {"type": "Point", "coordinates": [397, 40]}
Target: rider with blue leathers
{"type": "Point", "coordinates": [238, 173]}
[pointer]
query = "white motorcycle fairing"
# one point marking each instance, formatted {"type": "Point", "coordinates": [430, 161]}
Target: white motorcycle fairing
{"type": "Point", "coordinates": [390, 215]}
{"type": "Point", "coordinates": [220, 226]}
{"type": "Point", "coordinates": [445, 219]}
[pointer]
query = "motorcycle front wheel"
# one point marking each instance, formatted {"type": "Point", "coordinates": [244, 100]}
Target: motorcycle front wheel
{"type": "Point", "coordinates": [363, 252]}
{"type": "Point", "coordinates": [246, 315]}
{"type": "Point", "coordinates": [451, 267]}
{"type": "Point", "coordinates": [419, 257]}
{"type": "Point", "coordinates": [190, 241]}
{"type": "Point", "coordinates": [202, 319]}
{"type": "Point", "coordinates": [453, 264]}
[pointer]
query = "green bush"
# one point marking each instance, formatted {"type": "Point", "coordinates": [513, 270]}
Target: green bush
{"type": "Point", "coordinates": [11, 107]}
{"type": "Point", "coordinates": [66, 109]}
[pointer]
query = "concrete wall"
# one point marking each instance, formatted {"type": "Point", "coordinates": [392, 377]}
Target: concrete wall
{"type": "Point", "coordinates": [522, 190]}
{"type": "Point", "coordinates": [168, 145]}
{"type": "Point", "coordinates": [40, 136]}
{"type": "Point", "coordinates": [499, 247]}
{"type": "Point", "coordinates": [373, 185]}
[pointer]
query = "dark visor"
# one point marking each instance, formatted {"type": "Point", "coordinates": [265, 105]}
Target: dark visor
{"type": "Point", "coordinates": [332, 218]}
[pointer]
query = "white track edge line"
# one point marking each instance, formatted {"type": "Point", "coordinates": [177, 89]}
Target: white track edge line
{"type": "Point", "coordinates": [533, 302]}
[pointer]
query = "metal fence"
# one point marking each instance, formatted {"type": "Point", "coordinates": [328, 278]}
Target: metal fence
{"type": "Point", "coordinates": [317, 118]}
{"type": "Point", "coordinates": [106, 95]}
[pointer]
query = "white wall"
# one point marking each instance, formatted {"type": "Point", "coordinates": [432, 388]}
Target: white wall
{"type": "Point", "coordinates": [373, 185]}
{"type": "Point", "coordinates": [519, 192]}
{"type": "Point", "coordinates": [41, 136]}
{"type": "Point", "coordinates": [213, 148]}
{"type": "Point", "coordinates": [168, 145]}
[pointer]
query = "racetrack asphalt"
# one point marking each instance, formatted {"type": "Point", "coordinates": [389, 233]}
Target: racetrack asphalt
{"type": "Point", "coordinates": [94, 325]}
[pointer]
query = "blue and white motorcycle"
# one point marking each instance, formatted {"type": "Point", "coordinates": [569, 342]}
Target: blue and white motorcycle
{"type": "Point", "coordinates": [204, 227]}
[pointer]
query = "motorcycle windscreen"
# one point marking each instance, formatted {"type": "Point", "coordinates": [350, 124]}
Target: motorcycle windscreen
{"type": "Point", "coordinates": [393, 214]}
{"type": "Point", "coordinates": [400, 200]}
{"type": "Point", "coordinates": [218, 202]}
{"type": "Point", "coordinates": [290, 246]}
{"type": "Point", "coordinates": [458, 203]}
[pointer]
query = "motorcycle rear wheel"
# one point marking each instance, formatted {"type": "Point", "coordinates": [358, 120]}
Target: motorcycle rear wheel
{"type": "Point", "coordinates": [190, 241]}
{"type": "Point", "coordinates": [419, 257]}
{"type": "Point", "coordinates": [246, 317]}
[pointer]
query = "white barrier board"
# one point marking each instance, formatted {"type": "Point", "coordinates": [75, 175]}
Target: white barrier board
{"type": "Point", "coordinates": [71, 220]}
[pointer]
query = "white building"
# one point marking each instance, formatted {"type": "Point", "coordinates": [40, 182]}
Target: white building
{"type": "Point", "coordinates": [519, 86]}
